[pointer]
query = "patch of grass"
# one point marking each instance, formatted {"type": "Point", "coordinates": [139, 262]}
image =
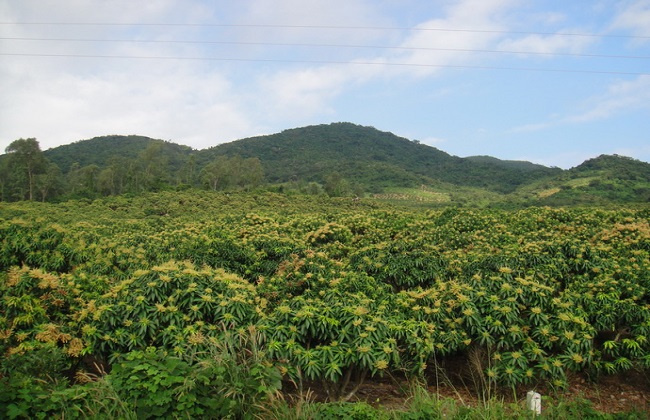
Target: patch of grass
{"type": "Point", "coordinates": [549, 192]}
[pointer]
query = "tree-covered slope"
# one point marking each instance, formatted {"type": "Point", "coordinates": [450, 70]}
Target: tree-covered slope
{"type": "Point", "coordinates": [372, 158]}
{"type": "Point", "coordinates": [512, 164]}
{"type": "Point", "coordinates": [601, 180]}
{"type": "Point", "coordinates": [99, 150]}
{"type": "Point", "coordinates": [364, 159]}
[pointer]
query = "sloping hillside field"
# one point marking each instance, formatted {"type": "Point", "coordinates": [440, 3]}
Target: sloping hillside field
{"type": "Point", "coordinates": [205, 304]}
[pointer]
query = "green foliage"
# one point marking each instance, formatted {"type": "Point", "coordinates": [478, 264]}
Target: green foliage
{"type": "Point", "coordinates": [578, 408]}
{"type": "Point", "coordinates": [348, 411]}
{"type": "Point", "coordinates": [26, 397]}
{"type": "Point", "coordinates": [372, 158]}
{"type": "Point", "coordinates": [169, 306]}
{"type": "Point", "coordinates": [101, 151]}
{"type": "Point", "coordinates": [342, 159]}
{"type": "Point", "coordinates": [161, 386]}
{"type": "Point", "coordinates": [328, 291]}
{"type": "Point", "coordinates": [235, 172]}
{"type": "Point", "coordinates": [26, 161]}
{"type": "Point", "coordinates": [403, 264]}
{"type": "Point", "coordinates": [227, 381]}
{"type": "Point", "coordinates": [37, 332]}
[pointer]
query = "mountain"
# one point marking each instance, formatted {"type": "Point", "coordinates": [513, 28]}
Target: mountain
{"type": "Point", "coordinates": [601, 180]}
{"type": "Point", "coordinates": [367, 159]}
{"type": "Point", "coordinates": [514, 164]}
{"type": "Point", "coordinates": [372, 158]}
{"type": "Point", "coordinates": [99, 150]}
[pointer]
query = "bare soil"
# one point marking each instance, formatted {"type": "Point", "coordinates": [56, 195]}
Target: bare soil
{"type": "Point", "coordinates": [611, 394]}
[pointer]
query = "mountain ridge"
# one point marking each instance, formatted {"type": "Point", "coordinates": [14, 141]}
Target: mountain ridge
{"type": "Point", "coordinates": [369, 160]}
{"type": "Point", "coordinates": [346, 148]}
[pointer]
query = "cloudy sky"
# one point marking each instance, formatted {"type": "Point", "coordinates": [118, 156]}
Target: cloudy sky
{"type": "Point", "coordinates": [549, 81]}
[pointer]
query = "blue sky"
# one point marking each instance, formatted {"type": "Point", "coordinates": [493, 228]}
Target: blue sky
{"type": "Point", "coordinates": [552, 82]}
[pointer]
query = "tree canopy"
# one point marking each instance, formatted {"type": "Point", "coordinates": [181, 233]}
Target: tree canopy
{"type": "Point", "coordinates": [26, 161]}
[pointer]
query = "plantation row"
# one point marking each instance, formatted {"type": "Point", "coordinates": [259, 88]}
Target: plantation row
{"type": "Point", "coordinates": [332, 291]}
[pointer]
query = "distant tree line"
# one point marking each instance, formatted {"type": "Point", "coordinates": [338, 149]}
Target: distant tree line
{"type": "Point", "coordinates": [26, 174]}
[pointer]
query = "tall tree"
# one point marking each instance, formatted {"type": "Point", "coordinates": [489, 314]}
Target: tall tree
{"type": "Point", "coordinates": [50, 182]}
{"type": "Point", "coordinates": [336, 185]}
{"type": "Point", "coordinates": [215, 174]}
{"type": "Point", "coordinates": [233, 172]}
{"type": "Point", "coordinates": [106, 181]}
{"type": "Point", "coordinates": [155, 165]}
{"type": "Point", "coordinates": [187, 173]}
{"type": "Point", "coordinates": [5, 173]}
{"type": "Point", "coordinates": [82, 181]}
{"type": "Point", "coordinates": [113, 179]}
{"type": "Point", "coordinates": [253, 172]}
{"type": "Point", "coordinates": [26, 156]}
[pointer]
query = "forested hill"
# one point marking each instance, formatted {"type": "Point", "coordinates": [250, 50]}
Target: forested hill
{"type": "Point", "coordinates": [340, 159]}
{"type": "Point", "coordinates": [601, 180]}
{"type": "Point", "coordinates": [373, 158]}
{"type": "Point", "coordinates": [101, 150]}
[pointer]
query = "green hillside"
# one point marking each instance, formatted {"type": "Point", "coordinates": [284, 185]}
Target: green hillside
{"type": "Point", "coordinates": [99, 151]}
{"type": "Point", "coordinates": [602, 180]}
{"type": "Point", "coordinates": [372, 158]}
{"type": "Point", "coordinates": [512, 164]}
{"type": "Point", "coordinates": [339, 159]}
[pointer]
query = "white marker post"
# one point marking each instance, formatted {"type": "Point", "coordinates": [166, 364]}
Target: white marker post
{"type": "Point", "coordinates": [534, 402]}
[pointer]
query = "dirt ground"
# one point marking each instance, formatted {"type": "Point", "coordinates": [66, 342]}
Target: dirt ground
{"type": "Point", "coordinates": [613, 394]}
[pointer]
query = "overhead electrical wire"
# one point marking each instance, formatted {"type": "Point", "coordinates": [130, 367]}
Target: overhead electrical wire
{"type": "Point", "coordinates": [377, 28]}
{"type": "Point", "coordinates": [371, 63]}
{"type": "Point", "coordinates": [290, 44]}
{"type": "Point", "coordinates": [316, 45]}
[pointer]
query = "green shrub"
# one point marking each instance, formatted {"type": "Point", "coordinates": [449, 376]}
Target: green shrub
{"type": "Point", "coordinates": [37, 334]}
{"type": "Point", "coordinates": [170, 306]}
{"type": "Point", "coordinates": [229, 380]}
{"type": "Point", "coordinates": [348, 411]}
{"type": "Point", "coordinates": [160, 386]}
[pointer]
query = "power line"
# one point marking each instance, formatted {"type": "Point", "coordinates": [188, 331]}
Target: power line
{"type": "Point", "coordinates": [369, 63]}
{"type": "Point", "coordinates": [288, 44]}
{"type": "Point", "coordinates": [329, 27]}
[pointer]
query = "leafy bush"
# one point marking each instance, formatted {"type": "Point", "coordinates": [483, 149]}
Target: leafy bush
{"type": "Point", "coordinates": [160, 386]}
{"type": "Point", "coordinates": [228, 381]}
{"type": "Point", "coordinates": [339, 291]}
{"type": "Point", "coordinates": [169, 306]}
{"type": "Point", "coordinates": [26, 397]}
{"type": "Point", "coordinates": [348, 411]}
{"type": "Point", "coordinates": [37, 334]}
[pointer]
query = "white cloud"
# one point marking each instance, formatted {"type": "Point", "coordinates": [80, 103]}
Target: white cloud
{"type": "Point", "coordinates": [620, 96]}
{"type": "Point", "coordinates": [114, 11]}
{"type": "Point", "coordinates": [302, 92]}
{"type": "Point", "coordinates": [314, 21]}
{"type": "Point", "coordinates": [315, 13]}
{"type": "Point", "coordinates": [168, 100]}
{"type": "Point", "coordinates": [449, 46]}
{"type": "Point", "coordinates": [64, 99]}
{"type": "Point", "coordinates": [551, 18]}
{"type": "Point", "coordinates": [532, 127]}
{"type": "Point", "coordinates": [634, 17]}
{"type": "Point", "coordinates": [548, 44]}
{"type": "Point", "coordinates": [308, 91]}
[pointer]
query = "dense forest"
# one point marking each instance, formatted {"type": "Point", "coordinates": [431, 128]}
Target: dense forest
{"type": "Point", "coordinates": [340, 159]}
{"type": "Point", "coordinates": [140, 165]}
